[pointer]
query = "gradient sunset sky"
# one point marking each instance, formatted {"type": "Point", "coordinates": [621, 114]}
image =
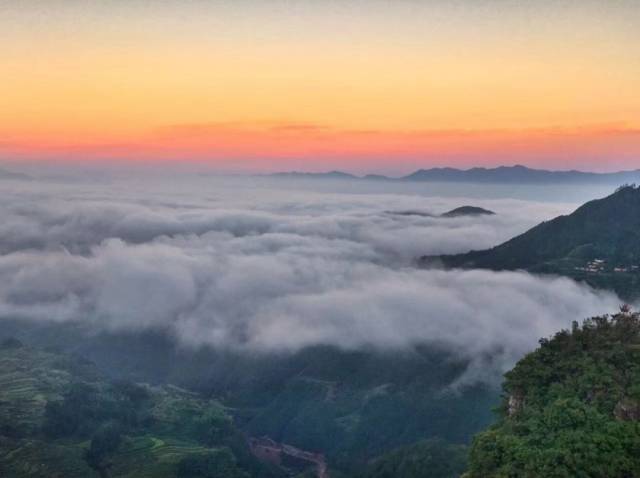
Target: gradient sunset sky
{"type": "Point", "coordinates": [362, 86]}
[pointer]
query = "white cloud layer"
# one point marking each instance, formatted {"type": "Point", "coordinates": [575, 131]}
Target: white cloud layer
{"type": "Point", "coordinates": [244, 266]}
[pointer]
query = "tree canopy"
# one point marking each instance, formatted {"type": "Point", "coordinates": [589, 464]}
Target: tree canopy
{"type": "Point", "coordinates": [571, 408]}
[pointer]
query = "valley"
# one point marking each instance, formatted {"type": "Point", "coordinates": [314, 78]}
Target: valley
{"type": "Point", "coordinates": [371, 367]}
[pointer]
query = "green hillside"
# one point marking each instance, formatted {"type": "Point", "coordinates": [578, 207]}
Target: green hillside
{"type": "Point", "coordinates": [352, 406]}
{"type": "Point", "coordinates": [427, 458]}
{"type": "Point", "coordinates": [571, 408]}
{"type": "Point", "coordinates": [599, 244]}
{"type": "Point", "coordinates": [355, 406]}
{"type": "Point", "coordinates": [59, 417]}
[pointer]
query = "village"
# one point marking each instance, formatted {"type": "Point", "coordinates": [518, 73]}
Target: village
{"type": "Point", "coordinates": [600, 265]}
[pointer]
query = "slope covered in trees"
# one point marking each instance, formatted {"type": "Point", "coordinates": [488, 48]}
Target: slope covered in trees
{"type": "Point", "coordinates": [59, 417]}
{"type": "Point", "coordinates": [351, 406]}
{"type": "Point", "coordinates": [599, 243]}
{"type": "Point", "coordinates": [571, 408]}
{"type": "Point", "coordinates": [433, 458]}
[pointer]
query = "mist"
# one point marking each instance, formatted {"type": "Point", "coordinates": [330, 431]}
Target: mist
{"type": "Point", "coordinates": [266, 267]}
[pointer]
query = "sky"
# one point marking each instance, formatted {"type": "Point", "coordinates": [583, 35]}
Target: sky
{"type": "Point", "coordinates": [361, 86]}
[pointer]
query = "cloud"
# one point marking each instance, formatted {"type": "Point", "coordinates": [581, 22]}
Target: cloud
{"type": "Point", "coordinates": [250, 268]}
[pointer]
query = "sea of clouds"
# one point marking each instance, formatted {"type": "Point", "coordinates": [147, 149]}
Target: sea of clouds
{"type": "Point", "coordinates": [248, 264]}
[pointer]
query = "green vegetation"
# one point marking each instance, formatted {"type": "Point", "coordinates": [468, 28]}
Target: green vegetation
{"type": "Point", "coordinates": [356, 406]}
{"type": "Point", "coordinates": [213, 464]}
{"type": "Point", "coordinates": [351, 406]}
{"type": "Point", "coordinates": [59, 417]}
{"type": "Point", "coordinates": [433, 458]}
{"type": "Point", "coordinates": [599, 244]}
{"type": "Point", "coordinates": [103, 447]}
{"type": "Point", "coordinates": [572, 407]}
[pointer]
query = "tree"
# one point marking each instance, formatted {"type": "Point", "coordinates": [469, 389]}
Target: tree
{"type": "Point", "coordinates": [434, 458]}
{"type": "Point", "coordinates": [216, 464]}
{"type": "Point", "coordinates": [579, 407]}
{"type": "Point", "coordinates": [104, 445]}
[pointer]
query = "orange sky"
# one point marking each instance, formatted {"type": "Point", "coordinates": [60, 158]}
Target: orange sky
{"type": "Point", "coordinates": [362, 86]}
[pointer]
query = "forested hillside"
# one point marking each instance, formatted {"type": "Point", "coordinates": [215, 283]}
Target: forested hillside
{"type": "Point", "coordinates": [60, 417]}
{"type": "Point", "coordinates": [571, 408]}
{"type": "Point", "coordinates": [599, 244]}
{"type": "Point", "coordinates": [355, 407]}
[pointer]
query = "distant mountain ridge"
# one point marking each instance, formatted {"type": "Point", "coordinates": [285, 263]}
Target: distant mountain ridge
{"type": "Point", "coordinates": [599, 243]}
{"type": "Point", "coordinates": [303, 175]}
{"type": "Point", "coordinates": [519, 174]}
{"type": "Point", "coordinates": [462, 211]}
{"type": "Point", "coordinates": [501, 174]}
{"type": "Point", "coordinates": [6, 174]}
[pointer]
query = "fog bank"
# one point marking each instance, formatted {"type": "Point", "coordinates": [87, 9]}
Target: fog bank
{"type": "Point", "coordinates": [233, 264]}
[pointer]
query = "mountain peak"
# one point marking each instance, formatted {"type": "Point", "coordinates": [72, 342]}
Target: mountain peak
{"type": "Point", "coordinates": [6, 174]}
{"type": "Point", "coordinates": [468, 211]}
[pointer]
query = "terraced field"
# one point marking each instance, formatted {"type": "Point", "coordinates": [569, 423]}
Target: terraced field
{"type": "Point", "coordinates": [153, 457]}
{"type": "Point", "coordinates": [26, 458]}
{"type": "Point", "coordinates": [174, 421]}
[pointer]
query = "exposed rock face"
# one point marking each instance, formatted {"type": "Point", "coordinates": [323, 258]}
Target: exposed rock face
{"type": "Point", "coordinates": [515, 404]}
{"type": "Point", "coordinates": [627, 409]}
{"type": "Point", "coordinates": [270, 451]}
